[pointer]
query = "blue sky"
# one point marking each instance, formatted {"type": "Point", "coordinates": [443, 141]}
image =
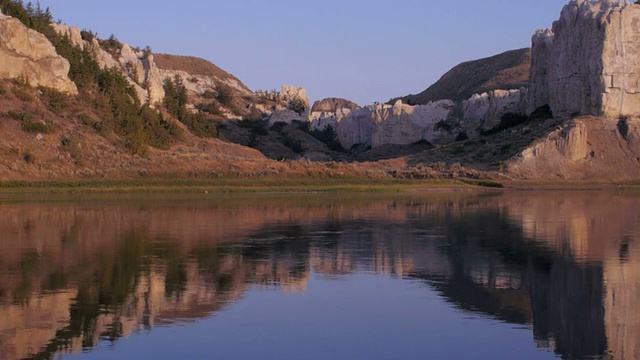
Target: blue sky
{"type": "Point", "coordinates": [362, 50]}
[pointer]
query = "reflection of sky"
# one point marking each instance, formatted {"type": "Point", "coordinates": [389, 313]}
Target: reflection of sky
{"type": "Point", "coordinates": [362, 316]}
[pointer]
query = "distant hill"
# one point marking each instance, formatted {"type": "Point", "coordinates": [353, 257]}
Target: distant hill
{"type": "Point", "coordinates": [509, 70]}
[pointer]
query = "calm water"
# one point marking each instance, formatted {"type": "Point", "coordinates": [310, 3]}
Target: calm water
{"type": "Point", "coordinates": [441, 276]}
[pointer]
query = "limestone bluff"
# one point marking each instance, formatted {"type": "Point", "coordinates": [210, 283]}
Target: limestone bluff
{"type": "Point", "coordinates": [588, 63]}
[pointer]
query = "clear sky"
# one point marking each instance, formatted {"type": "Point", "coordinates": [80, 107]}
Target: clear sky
{"type": "Point", "coordinates": [362, 50]}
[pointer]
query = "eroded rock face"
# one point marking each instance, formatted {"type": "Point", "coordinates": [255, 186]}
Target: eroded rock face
{"type": "Point", "coordinates": [329, 112]}
{"type": "Point", "coordinates": [320, 120]}
{"type": "Point", "coordinates": [572, 141]}
{"type": "Point", "coordinates": [400, 124]}
{"type": "Point", "coordinates": [587, 64]}
{"type": "Point", "coordinates": [27, 54]}
{"type": "Point", "coordinates": [484, 111]}
{"type": "Point", "coordinates": [285, 116]}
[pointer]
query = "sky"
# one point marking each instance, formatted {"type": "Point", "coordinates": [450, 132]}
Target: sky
{"type": "Point", "coordinates": [363, 50]}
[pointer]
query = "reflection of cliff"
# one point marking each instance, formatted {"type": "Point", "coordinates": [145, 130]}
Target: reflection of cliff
{"type": "Point", "coordinates": [74, 274]}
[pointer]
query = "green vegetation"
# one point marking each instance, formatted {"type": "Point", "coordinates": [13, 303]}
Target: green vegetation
{"type": "Point", "coordinates": [237, 185]}
{"type": "Point", "coordinates": [28, 157]}
{"type": "Point", "coordinates": [106, 91]}
{"type": "Point", "coordinates": [53, 99]}
{"type": "Point", "coordinates": [329, 137]}
{"type": "Point", "coordinates": [176, 100]}
{"type": "Point", "coordinates": [35, 126]}
{"type": "Point", "coordinates": [297, 105]}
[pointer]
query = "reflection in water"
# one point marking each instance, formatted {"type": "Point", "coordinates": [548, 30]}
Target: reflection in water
{"type": "Point", "coordinates": [73, 273]}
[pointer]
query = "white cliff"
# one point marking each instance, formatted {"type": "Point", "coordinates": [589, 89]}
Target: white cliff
{"type": "Point", "coordinates": [28, 55]}
{"type": "Point", "coordinates": [587, 64]}
{"type": "Point", "coordinates": [400, 124]}
{"type": "Point", "coordinates": [484, 111]}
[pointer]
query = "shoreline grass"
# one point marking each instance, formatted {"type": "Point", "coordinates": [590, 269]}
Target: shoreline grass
{"type": "Point", "coordinates": [290, 185]}
{"type": "Point", "coordinates": [301, 185]}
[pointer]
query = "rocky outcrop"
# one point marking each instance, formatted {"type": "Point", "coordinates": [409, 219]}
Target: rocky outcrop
{"type": "Point", "coordinates": [292, 93]}
{"type": "Point", "coordinates": [135, 64]}
{"type": "Point", "coordinates": [28, 55]}
{"type": "Point", "coordinates": [329, 112]}
{"type": "Point", "coordinates": [320, 120]}
{"type": "Point", "coordinates": [400, 124]}
{"type": "Point", "coordinates": [483, 112]}
{"type": "Point", "coordinates": [587, 63]}
{"type": "Point", "coordinates": [404, 124]}
{"type": "Point", "coordinates": [332, 105]}
{"type": "Point", "coordinates": [585, 148]}
{"type": "Point", "coordinates": [285, 116]}
{"type": "Point", "coordinates": [147, 72]}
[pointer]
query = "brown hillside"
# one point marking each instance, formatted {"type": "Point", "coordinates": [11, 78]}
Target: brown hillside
{"type": "Point", "coordinates": [192, 65]}
{"type": "Point", "coordinates": [41, 144]}
{"type": "Point", "coordinates": [509, 70]}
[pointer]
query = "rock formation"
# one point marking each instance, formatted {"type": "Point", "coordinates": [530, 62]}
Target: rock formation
{"type": "Point", "coordinates": [587, 63]}
{"type": "Point", "coordinates": [330, 111]}
{"type": "Point", "coordinates": [585, 148]}
{"type": "Point", "coordinates": [484, 111]}
{"type": "Point", "coordinates": [147, 72]}
{"type": "Point", "coordinates": [28, 55]}
{"type": "Point", "coordinates": [285, 116]}
{"type": "Point", "coordinates": [400, 124]}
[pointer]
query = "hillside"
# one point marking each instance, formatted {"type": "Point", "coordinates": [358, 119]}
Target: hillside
{"type": "Point", "coordinates": [509, 70]}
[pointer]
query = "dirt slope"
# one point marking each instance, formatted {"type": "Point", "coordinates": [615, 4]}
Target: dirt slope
{"type": "Point", "coordinates": [585, 149]}
{"type": "Point", "coordinates": [509, 70]}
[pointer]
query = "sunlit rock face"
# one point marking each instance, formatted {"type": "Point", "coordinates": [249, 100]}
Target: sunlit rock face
{"type": "Point", "coordinates": [484, 111]}
{"type": "Point", "coordinates": [400, 124]}
{"type": "Point", "coordinates": [329, 112]}
{"type": "Point", "coordinates": [27, 55]}
{"type": "Point", "coordinates": [587, 64]}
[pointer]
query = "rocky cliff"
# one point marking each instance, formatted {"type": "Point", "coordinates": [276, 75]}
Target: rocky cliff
{"type": "Point", "coordinates": [329, 112]}
{"type": "Point", "coordinates": [147, 72]}
{"type": "Point", "coordinates": [27, 55]}
{"type": "Point", "coordinates": [587, 64]}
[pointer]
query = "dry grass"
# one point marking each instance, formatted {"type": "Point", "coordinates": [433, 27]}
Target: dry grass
{"type": "Point", "coordinates": [509, 70]}
{"type": "Point", "coordinates": [191, 65]}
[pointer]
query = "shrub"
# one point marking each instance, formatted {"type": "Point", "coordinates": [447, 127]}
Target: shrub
{"type": "Point", "coordinates": [22, 94]}
{"type": "Point", "coordinates": [87, 35]}
{"type": "Point", "coordinates": [31, 126]}
{"type": "Point", "coordinates": [53, 99]}
{"type": "Point", "coordinates": [200, 125]}
{"type": "Point", "coordinates": [28, 157]}
{"type": "Point", "coordinates": [2, 90]}
{"type": "Point", "coordinates": [111, 45]}
{"type": "Point", "coordinates": [210, 108]}
{"type": "Point", "coordinates": [14, 115]}
{"type": "Point", "coordinates": [297, 105]}
{"type": "Point", "coordinates": [293, 144]}
{"type": "Point", "coordinates": [208, 94]}
{"type": "Point", "coordinates": [328, 136]}
{"type": "Point", "coordinates": [225, 94]}
{"type": "Point", "coordinates": [86, 120]}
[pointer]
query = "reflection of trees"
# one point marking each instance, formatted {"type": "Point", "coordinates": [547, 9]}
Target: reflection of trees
{"type": "Point", "coordinates": [471, 250]}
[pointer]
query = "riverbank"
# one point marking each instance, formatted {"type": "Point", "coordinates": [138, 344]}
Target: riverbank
{"type": "Point", "coordinates": [286, 185]}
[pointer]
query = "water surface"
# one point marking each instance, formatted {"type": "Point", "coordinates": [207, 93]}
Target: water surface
{"type": "Point", "coordinates": [318, 276]}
